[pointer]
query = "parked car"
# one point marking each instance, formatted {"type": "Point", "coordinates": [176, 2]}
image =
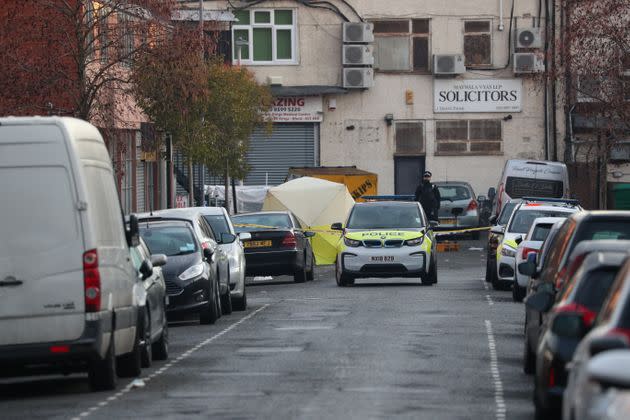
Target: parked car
{"type": "Point", "coordinates": [459, 208]}
{"type": "Point", "coordinates": [519, 224]}
{"type": "Point", "coordinates": [190, 274]}
{"type": "Point", "coordinates": [583, 294]}
{"type": "Point", "coordinates": [531, 178]}
{"type": "Point", "coordinates": [611, 330]}
{"type": "Point", "coordinates": [531, 243]}
{"type": "Point", "coordinates": [495, 236]}
{"type": "Point", "coordinates": [533, 317]}
{"type": "Point", "coordinates": [208, 239]}
{"type": "Point", "coordinates": [154, 326]}
{"type": "Point", "coordinates": [279, 245]}
{"type": "Point", "coordinates": [69, 295]}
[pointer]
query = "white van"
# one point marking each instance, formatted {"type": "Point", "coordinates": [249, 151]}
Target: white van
{"type": "Point", "coordinates": [66, 278]}
{"type": "Point", "coordinates": [531, 178]}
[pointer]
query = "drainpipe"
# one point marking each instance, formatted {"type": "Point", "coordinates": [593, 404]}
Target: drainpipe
{"type": "Point", "coordinates": [501, 27]}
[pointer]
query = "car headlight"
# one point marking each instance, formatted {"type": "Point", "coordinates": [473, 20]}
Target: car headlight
{"type": "Point", "coordinates": [506, 251]}
{"type": "Point", "coordinates": [351, 242]}
{"type": "Point", "coordinates": [415, 241]}
{"type": "Point", "coordinates": [192, 272]}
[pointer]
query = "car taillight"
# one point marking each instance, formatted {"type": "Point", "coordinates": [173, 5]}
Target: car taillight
{"type": "Point", "coordinates": [289, 240]}
{"type": "Point", "coordinates": [528, 251]}
{"type": "Point", "coordinates": [552, 377]}
{"type": "Point", "coordinates": [91, 281]}
{"type": "Point", "coordinates": [59, 349]}
{"type": "Point", "coordinates": [588, 316]}
{"type": "Point", "coordinates": [622, 332]}
{"type": "Point", "coordinates": [560, 278]}
{"type": "Point", "coordinates": [471, 206]}
{"type": "Point", "coordinates": [577, 262]}
{"type": "Point", "coordinates": [205, 245]}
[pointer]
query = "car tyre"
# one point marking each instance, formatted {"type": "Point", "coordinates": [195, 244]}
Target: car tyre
{"type": "Point", "coordinates": [343, 280]}
{"type": "Point", "coordinates": [240, 304]}
{"type": "Point", "coordinates": [209, 314]}
{"type": "Point", "coordinates": [518, 292]}
{"type": "Point", "coordinates": [146, 351]}
{"type": "Point", "coordinates": [529, 358]}
{"type": "Point", "coordinates": [310, 274]}
{"type": "Point", "coordinates": [160, 347]}
{"type": "Point", "coordinates": [102, 373]}
{"type": "Point", "coordinates": [130, 365]}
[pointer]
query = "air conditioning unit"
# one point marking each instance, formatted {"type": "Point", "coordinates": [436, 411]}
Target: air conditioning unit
{"type": "Point", "coordinates": [528, 63]}
{"type": "Point", "coordinates": [528, 38]}
{"type": "Point", "coordinates": [360, 32]}
{"type": "Point", "coordinates": [448, 64]}
{"type": "Point", "coordinates": [358, 78]}
{"type": "Point", "coordinates": [358, 55]}
{"type": "Point", "coordinates": [620, 151]}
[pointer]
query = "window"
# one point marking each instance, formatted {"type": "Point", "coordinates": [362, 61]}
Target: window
{"type": "Point", "coordinates": [264, 37]}
{"type": "Point", "coordinates": [127, 181]}
{"type": "Point", "coordinates": [402, 45]}
{"type": "Point", "coordinates": [103, 33]}
{"type": "Point", "coordinates": [409, 138]}
{"type": "Point", "coordinates": [125, 23]}
{"type": "Point", "coordinates": [478, 43]}
{"type": "Point", "coordinates": [468, 137]}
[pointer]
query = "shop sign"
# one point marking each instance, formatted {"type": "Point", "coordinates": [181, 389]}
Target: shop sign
{"type": "Point", "coordinates": [504, 95]}
{"type": "Point", "coordinates": [297, 109]}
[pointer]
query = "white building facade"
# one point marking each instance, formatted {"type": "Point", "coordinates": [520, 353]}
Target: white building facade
{"type": "Point", "coordinates": [428, 85]}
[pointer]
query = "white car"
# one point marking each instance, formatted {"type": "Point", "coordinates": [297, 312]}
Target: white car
{"type": "Point", "coordinates": [532, 243]}
{"type": "Point", "coordinates": [609, 377]}
{"type": "Point", "coordinates": [519, 224]}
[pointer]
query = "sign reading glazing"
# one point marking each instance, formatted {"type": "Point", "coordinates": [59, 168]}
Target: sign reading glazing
{"type": "Point", "coordinates": [297, 109]}
{"type": "Point", "coordinates": [504, 95]}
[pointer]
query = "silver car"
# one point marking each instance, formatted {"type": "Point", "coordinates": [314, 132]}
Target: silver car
{"type": "Point", "coordinates": [459, 208]}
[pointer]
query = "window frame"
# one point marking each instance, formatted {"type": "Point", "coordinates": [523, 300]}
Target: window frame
{"type": "Point", "coordinates": [423, 151]}
{"type": "Point", "coordinates": [469, 141]}
{"type": "Point", "coordinates": [410, 35]}
{"type": "Point", "coordinates": [489, 32]}
{"type": "Point", "coordinates": [274, 47]}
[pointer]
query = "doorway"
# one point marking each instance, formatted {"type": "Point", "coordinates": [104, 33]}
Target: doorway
{"type": "Point", "coordinates": [407, 173]}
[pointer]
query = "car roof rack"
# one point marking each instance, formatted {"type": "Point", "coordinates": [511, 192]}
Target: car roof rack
{"type": "Point", "coordinates": [395, 197]}
{"type": "Point", "coordinates": [567, 201]}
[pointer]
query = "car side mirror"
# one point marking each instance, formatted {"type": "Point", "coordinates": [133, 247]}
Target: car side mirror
{"type": "Point", "coordinates": [132, 232]}
{"type": "Point", "coordinates": [527, 268]}
{"type": "Point", "coordinates": [491, 193]}
{"type": "Point", "coordinates": [158, 260]}
{"type": "Point", "coordinates": [433, 224]}
{"type": "Point", "coordinates": [309, 234]}
{"type": "Point", "coordinates": [498, 230]}
{"type": "Point", "coordinates": [481, 198]}
{"type": "Point", "coordinates": [569, 325]}
{"type": "Point", "coordinates": [493, 219]}
{"type": "Point", "coordinates": [245, 236]}
{"type": "Point", "coordinates": [227, 238]}
{"type": "Point", "coordinates": [208, 253]}
{"type": "Point", "coordinates": [336, 226]}
{"type": "Point", "coordinates": [518, 240]}
{"type": "Point", "coordinates": [540, 301]}
{"type": "Point", "coordinates": [146, 269]}
{"type": "Point", "coordinates": [607, 369]}
{"type": "Point", "coordinates": [605, 343]}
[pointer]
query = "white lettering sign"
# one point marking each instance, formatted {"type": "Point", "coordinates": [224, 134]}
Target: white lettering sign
{"type": "Point", "coordinates": [297, 109]}
{"type": "Point", "coordinates": [477, 95]}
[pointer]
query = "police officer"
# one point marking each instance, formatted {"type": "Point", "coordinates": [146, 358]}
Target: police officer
{"type": "Point", "coordinates": [429, 196]}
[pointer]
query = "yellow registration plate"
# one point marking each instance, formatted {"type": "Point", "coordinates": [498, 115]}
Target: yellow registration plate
{"type": "Point", "coordinates": [257, 244]}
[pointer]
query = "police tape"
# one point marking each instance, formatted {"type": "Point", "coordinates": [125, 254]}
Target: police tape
{"type": "Point", "coordinates": [436, 233]}
{"type": "Point", "coordinates": [460, 231]}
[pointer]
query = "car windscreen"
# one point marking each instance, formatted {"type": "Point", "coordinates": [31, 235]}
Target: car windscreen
{"type": "Point", "coordinates": [218, 224]}
{"type": "Point", "coordinates": [385, 217]}
{"type": "Point", "coordinates": [541, 232]}
{"type": "Point", "coordinates": [168, 240]}
{"type": "Point", "coordinates": [261, 222]}
{"type": "Point", "coordinates": [454, 192]}
{"type": "Point", "coordinates": [506, 213]}
{"type": "Point", "coordinates": [530, 187]}
{"type": "Point", "coordinates": [593, 290]}
{"type": "Point", "coordinates": [600, 229]}
{"type": "Point", "coordinates": [523, 219]}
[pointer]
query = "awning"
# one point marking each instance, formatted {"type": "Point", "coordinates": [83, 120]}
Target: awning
{"type": "Point", "coordinates": [208, 15]}
{"type": "Point", "coordinates": [310, 90]}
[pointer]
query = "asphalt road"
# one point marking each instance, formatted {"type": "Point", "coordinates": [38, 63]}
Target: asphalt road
{"type": "Point", "coordinates": [314, 350]}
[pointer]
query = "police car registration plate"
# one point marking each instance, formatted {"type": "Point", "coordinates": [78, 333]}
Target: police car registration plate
{"type": "Point", "coordinates": [382, 258]}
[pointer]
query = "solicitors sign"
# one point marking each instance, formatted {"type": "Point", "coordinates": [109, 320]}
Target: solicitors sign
{"type": "Point", "coordinates": [296, 109]}
{"type": "Point", "coordinates": [500, 95]}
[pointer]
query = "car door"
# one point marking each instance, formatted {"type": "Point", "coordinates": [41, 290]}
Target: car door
{"type": "Point", "coordinates": [156, 292]}
{"type": "Point", "coordinates": [220, 257]}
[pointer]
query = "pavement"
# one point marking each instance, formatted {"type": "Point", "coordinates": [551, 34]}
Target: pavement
{"type": "Point", "coordinates": [381, 349]}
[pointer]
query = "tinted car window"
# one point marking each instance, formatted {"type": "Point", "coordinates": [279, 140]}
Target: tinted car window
{"type": "Point", "coordinates": [617, 229]}
{"type": "Point", "coordinates": [523, 220]}
{"type": "Point", "coordinates": [169, 240]}
{"type": "Point", "coordinates": [263, 221]}
{"type": "Point", "coordinates": [385, 217]}
{"type": "Point", "coordinates": [593, 290]}
{"type": "Point", "coordinates": [218, 224]}
{"type": "Point", "coordinates": [528, 187]}
{"type": "Point", "coordinates": [454, 192]}
{"type": "Point", "coordinates": [506, 213]}
{"type": "Point", "coordinates": [541, 232]}
{"type": "Point", "coordinates": [557, 247]}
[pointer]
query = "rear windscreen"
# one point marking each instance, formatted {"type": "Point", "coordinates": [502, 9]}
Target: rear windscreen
{"type": "Point", "coordinates": [524, 219]}
{"type": "Point", "coordinates": [453, 192]}
{"type": "Point", "coordinates": [253, 222]}
{"type": "Point", "coordinates": [541, 232]}
{"type": "Point", "coordinates": [37, 208]}
{"type": "Point", "coordinates": [529, 187]}
{"type": "Point", "coordinates": [593, 290]}
{"type": "Point", "coordinates": [596, 230]}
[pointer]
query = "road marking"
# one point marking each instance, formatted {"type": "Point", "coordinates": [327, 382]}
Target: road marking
{"type": "Point", "coordinates": [164, 368]}
{"type": "Point", "coordinates": [258, 350]}
{"type": "Point", "coordinates": [485, 284]}
{"type": "Point", "coordinates": [305, 327]}
{"type": "Point", "coordinates": [499, 400]}
{"type": "Point", "coordinates": [489, 299]}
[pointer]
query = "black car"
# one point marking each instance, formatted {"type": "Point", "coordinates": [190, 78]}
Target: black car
{"type": "Point", "coordinates": [279, 245]}
{"type": "Point", "coordinates": [583, 294]}
{"type": "Point", "coordinates": [190, 273]}
{"type": "Point", "coordinates": [154, 327]}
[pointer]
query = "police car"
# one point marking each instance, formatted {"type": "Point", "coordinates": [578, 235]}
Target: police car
{"type": "Point", "coordinates": [386, 239]}
{"type": "Point", "coordinates": [523, 216]}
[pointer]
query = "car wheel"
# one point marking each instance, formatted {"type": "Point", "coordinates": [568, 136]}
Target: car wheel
{"type": "Point", "coordinates": [102, 373]}
{"type": "Point", "coordinates": [226, 299]}
{"type": "Point", "coordinates": [146, 353]}
{"type": "Point", "coordinates": [343, 280]}
{"type": "Point", "coordinates": [129, 365]}
{"type": "Point", "coordinates": [160, 347]}
{"type": "Point", "coordinates": [518, 292]}
{"type": "Point", "coordinates": [209, 314]}
{"type": "Point", "coordinates": [529, 358]}
{"type": "Point", "coordinates": [240, 304]}
{"type": "Point", "coordinates": [310, 274]}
